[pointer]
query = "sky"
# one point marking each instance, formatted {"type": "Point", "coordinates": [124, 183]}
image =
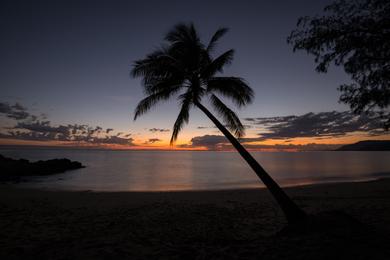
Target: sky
{"type": "Point", "coordinates": [65, 75]}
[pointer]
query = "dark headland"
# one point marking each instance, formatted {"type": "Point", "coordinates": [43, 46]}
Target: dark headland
{"type": "Point", "coordinates": [12, 169]}
{"type": "Point", "coordinates": [374, 145]}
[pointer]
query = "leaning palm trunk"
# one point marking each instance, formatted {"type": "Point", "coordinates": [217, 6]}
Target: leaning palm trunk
{"type": "Point", "coordinates": [291, 210]}
{"type": "Point", "coordinates": [186, 64]}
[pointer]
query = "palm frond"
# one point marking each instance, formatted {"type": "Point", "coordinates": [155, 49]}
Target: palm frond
{"type": "Point", "coordinates": [233, 88]}
{"type": "Point", "coordinates": [140, 67]}
{"type": "Point", "coordinates": [155, 85]}
{"type": "Point", "coordinates": [217, 64]}
{"type": "Point", "coordinates": [183, 116]}
{"type": "Point", "coordinates": [158, 64]}
{"type": "Point", "coordinates": [230, 118]}
{"type": "Point", "coordinates": [145, 104]}
{"type": "Point", "coordinates": [182, 33]}
{"type": "Point", "coordinates": [186, 46]}
{"type": "Point", "coordinates": [217, 35]}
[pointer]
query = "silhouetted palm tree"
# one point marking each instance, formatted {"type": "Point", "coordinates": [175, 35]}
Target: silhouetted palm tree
{"type": "Point", "coordinates": [185, 66]}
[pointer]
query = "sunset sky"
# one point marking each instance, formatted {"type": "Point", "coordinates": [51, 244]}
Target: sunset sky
{"type": "Point", "coordinates": [65, 76]}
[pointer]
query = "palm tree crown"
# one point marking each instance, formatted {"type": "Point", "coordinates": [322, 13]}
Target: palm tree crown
{"type": "Point", "coordinates": [184, 66]}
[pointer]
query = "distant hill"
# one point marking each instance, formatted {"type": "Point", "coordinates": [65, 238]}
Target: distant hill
{"type": "Point", "coordinates": [375, 145]}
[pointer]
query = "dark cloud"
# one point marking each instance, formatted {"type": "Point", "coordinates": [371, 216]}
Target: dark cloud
{"type": "Point", "coordinates": [214, 127]}
{"type": "Point", "coordinates": [211, 142]}
{"type": "Point", "coordinates": [270, 120]}
{"type": "Point", "coordinates": [98, 129]}
{"type": "Point", "coordinates": [33, 136]}
{"type": "Point", "coordinates": [294, 147]}
{"type": "Point", "coordinates": [208, 140]}
{"type": "Point", "coordinates": [29, 127]}
{"type": "Point", "coordinates": [18, 106]}
{"type": "Point", "coordinates": [44, 126]}
{"type": "Point", "coordinates": [44, 131]}
{"type": "Point", "coordinates": [47, 136]}
{"type": "Point", "coordinates": [43, 116]}
{"type": "Point", "coordinates": [158, 130]}
{"type": "Point", "coordinates": [318, 125]}
{"type": "Point", "coordinates": [219, 142]}
{"type": "Point", "coordinates": [16, 111]}
{"type": "Point", "coordinates": [112, 140]}
{"type": "Point", "coordinates": [152, 141]}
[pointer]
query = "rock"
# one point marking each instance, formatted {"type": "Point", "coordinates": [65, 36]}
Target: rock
{"type": "Point", "coordinates": [11, 169]}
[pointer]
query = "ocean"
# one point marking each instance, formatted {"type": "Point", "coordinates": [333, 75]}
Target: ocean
{"type": "Point", "coordinates": [200, 170]}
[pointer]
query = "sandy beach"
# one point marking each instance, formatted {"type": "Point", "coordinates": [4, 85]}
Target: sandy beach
{"type": "Point", "coordinates": [230, 224]}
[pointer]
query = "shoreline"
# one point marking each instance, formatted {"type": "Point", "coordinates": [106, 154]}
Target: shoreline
{"type": "Point", "coordinates": [357, 189]}
{"type": "Point", "coordinates": [224, 224]}
{"type": "Point", "coordinates": [24, 184]}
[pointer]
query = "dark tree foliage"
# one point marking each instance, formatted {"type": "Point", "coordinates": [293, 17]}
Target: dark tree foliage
{"type": "Point", "coordinates": [185, 67]}
{"type": "Point", "coordinates": [356, 35]}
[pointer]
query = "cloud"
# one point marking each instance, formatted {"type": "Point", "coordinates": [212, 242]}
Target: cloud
{"type": "Point", "coordinates": [211, 142]}
{"type": "Point", "coordinates": [294, 147]}
{"type": "Point", "coordinates": [319, 125]}
{"type": "Point", "coordinates": [268, 120]}
{"type": "Point", "coordinates": [219, 142]}
{"type": "Point", "coordinates": [43, 116]}
{"type": "Point", "coordinates": [98, 129]}
{"type": "Point", "coordinates": [44, 131]}
{"type": "Point", "coordinates": [152, 141]}
{"type": "Point", "coordinates": [29, 127]}
{"type": "Point", "coordinates": [154, 130]}
{"type": "Point", "coordinates": [16, 111]}
{"type": "Point", "coordinates": [246, 126]}
{"type": "Point", "coordinates": [44, 126]}
{"type": "Point", "coordinates": [18, 106]}
{"type": "Point", "coordinates": [112, 140]}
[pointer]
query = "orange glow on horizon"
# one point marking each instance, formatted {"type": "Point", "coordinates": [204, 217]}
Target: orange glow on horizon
{"type": "Point", "coordinates": [271, 145]}
{"type": "Point", "coordinates": [68, 144]}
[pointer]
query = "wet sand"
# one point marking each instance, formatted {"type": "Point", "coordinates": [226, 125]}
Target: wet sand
{"type": "Point", "coordinates": [231, 224]}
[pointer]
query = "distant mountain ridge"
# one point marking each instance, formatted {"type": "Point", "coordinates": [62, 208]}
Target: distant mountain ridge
{"type": "Point", "coordinates": [374, 145]}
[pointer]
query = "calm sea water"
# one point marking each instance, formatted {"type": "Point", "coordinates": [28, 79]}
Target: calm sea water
{"type": "Point", "coordinates": [172, 170]}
